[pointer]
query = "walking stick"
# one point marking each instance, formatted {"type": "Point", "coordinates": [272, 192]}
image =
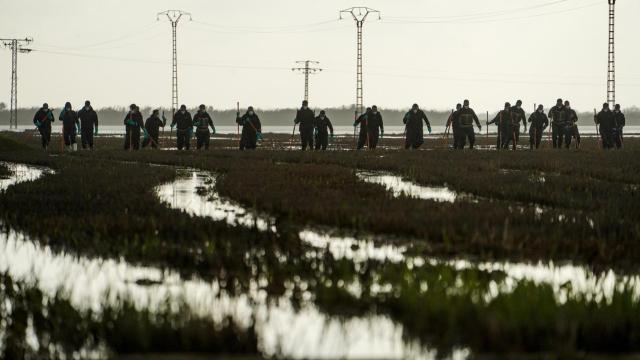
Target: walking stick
{"type": "Point", "coordinates": [445, 135]}
{"type": "Point", "coordinates": [238, 124]}
{"type": "Point", "coordinates": [487, 127]}
{"type": "Point", "coordinates": [595, 120]}
{"type": "Point", "coordinates": [293, 135]}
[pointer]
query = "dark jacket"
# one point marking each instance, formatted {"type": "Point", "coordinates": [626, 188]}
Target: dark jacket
{"type": "Point", "coordinates": [572, 117]}
{"type": "Point", "coordinates": [182, 121]}
{"type": "Point", "coordinates": [153, 124]}
{"type": "Point", "coordinates": [606, 119]}
{"type": "Point", "coordinates": [69, 120]}
{"type": "Point", "coordinates": [465, 117]}
{"type": "Point", "coordinates": [413, 122]}
{"type": "Point", "coordinates": [518, 116]}
{"type": "Point", "coordinates": [619, 119]}
{"type": "Point", "coordinates": [305, 117]}
{"type": "Point", "coordinates": [453, 119]}
{"type": "Point", "coordinates": [323, 124]}
{"type": "Point", "coordinates": [45, 117]}
{"type": "Point", "coordinates": [363, 120]}
{"type": "Point", "coordinates": [503, 119]}
{"type": "Point", "coordinates": [539, 120]}
{"type": "Point", "coordinates": [202, 121]}
{"type": "Point", "coordinates": [558, 115]}
{"type": "Point", "coordinates": [250, 123]}
{"type": "Point", "coordinates": [374, 122]}
{"type": "Point", "coordinates": [133, 121]}
{"type": "Point", "coordinates": [88, 118]}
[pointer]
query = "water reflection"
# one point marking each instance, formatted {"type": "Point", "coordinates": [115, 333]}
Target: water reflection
{"type": "Point", "coordinates": [192, 193]}
{"type": "Point", "coordinates": [566, 280]}
{"type": "Point", "coordinates": [399, 187]}
{"type": "Point", "coordinates": [283, 329]}
{"type": "Point", "coordinates": [21, 173]}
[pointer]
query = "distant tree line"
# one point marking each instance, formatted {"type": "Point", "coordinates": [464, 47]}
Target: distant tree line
{"type": "Point", "coordinates": [340, 116]}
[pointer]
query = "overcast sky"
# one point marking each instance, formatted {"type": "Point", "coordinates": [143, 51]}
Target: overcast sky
{"type": "Point", "coordinates": [436, 53]}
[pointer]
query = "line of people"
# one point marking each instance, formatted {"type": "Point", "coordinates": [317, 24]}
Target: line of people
{"type": "Point", "coordinates": [315, 131]}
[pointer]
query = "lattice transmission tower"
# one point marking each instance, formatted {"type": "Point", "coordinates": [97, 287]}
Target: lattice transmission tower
{"type": "Point", "coordinates": [307, 70]}
{"type": "Point", "coordinates": [359, 15]}
{"type": "Point", "coordinates": [174, 17]}
{"type": "Point", "coordinates": [611, 67]}
{"type": "Point", "coordinates": [16, 46]}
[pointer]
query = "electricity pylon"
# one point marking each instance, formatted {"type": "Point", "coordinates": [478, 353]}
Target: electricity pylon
{"type": "Point", "coordinates": [174, 17]}
{"type": "Point", "coordinates": [307, 70]}
{"type": "Point", "coordinates": [16, 46]}
{"type": "Point", "coordinates": [611, 70]}
{"type": "Point", "coordinates": [359, 15]}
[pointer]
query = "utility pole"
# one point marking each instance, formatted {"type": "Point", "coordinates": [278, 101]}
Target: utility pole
{"type": "Point", "coordinates": [359, 15]}
{"type": "Point", "coordinates": [174, 17]}
{"type": "Point", "coordinates": [16, 46]}
{"type": "Point", "coordinates": [307, 70]}
{"type": "Point", "coordinates": [611, 70]}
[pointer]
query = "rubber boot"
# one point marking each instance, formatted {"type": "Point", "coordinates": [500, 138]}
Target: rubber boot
{"type": "Point", "coordinates": [75, 147]}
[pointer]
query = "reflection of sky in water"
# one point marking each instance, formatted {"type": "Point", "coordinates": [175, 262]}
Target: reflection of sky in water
{"type": "Point", "coordinates": [21, 173]}
{"type": "Point", "coordinates": [94, 282]}
{"type": "Point", "coordinates": [400, 187]}
{"type": "Point", "coordinates": [582, 281]}
{"type": "Point", "coordinates": [181, 194]}
{"type": "Point", "coordinates": [90, 283]}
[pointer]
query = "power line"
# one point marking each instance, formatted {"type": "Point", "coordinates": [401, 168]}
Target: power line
{"type": "Point", "coordinates": [16, 47]}
{"type": "Point", "coordinates": [485, 20]}
{"type": "Point", "coordinates": [174, 17]}
{"type": "Point", "coordinates": [481, 14]}
{"type": "Point", "coordinates": [307, 70]}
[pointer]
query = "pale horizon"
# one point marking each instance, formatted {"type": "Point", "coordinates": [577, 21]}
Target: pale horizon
{"type": "Point", "coordinates": [433, 53]}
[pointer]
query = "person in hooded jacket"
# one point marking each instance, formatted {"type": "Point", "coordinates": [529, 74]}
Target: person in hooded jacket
{"type": "Point", "coordinates": [133, 126]}
{"type": "Point", "coordinates": [452, 122]}
{"type": "Point", "coordinates": [153, 125]}
{"type": "Point", "coordinates": [539, 122]}
{"type": "Point", "coordinates": [251, 129]}
{"type": "Point", "coordinates": [202, 121]}
{"type": "Point", "coordinates": [375, 127]}
{"type": "Point", "coordinates": [42, 120]}
{"type": "Point", "coordinates": [504, 122]}
{"type": "Point", "coordinates": [571, 127]}
{"type": "Point", "coordinates": [322, 127]}
{"type": "Point", "coordinates": [558, 117]}
{"type": "Point", "coordinates": [414, 130]}
{"type": "Point", "coordinates": [465, 118]}
{"type": "Point", "coordinates": [88, 125]}
{"type": "Point", "coordinates": [305, 118]}
{"type": "Point", "coordinates": [363, 135]}
{"type": "Point", "coordinates": [183, 123]}
{"type": "Point", "coordinates": [620, 123]}
{"type": "Point", "coordinates": [70, 127]}
{"type": "Point", "coordinates": [607, 122]}
{"type": "Point", "coordinates": [519, 117]}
